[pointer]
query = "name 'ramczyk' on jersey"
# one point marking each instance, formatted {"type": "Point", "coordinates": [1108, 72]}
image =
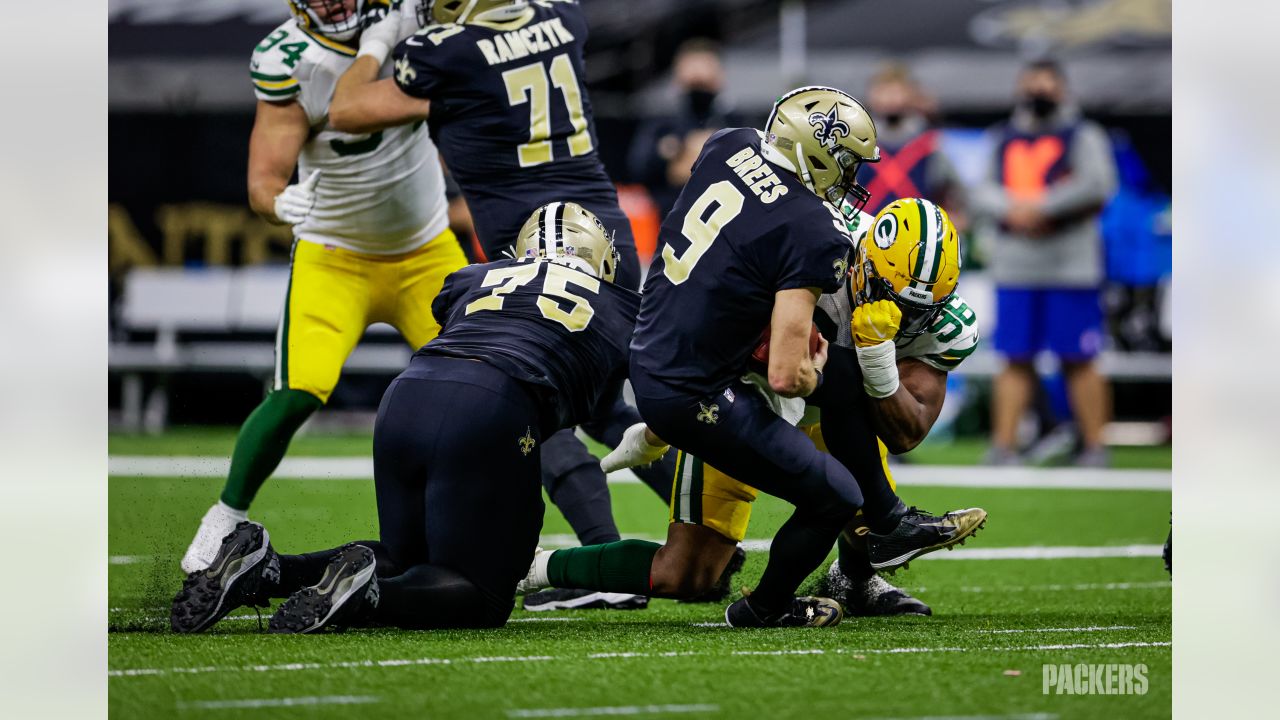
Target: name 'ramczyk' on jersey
{"type": "Point", "coordinates": [741, 230]}
{"type": "Point", "coordinates": [510, 113]}
{"type": "Point", "coordinates": [541, 323]}
{"type": "Point", "coordinates": [379, 193]}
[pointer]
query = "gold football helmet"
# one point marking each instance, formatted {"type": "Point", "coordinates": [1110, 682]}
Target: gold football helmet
{"type": "Point", "coordinates": [823, 135]}
{"type": "Point", "coordinates": [568, 233]}
{"type": "Point", "coordinates": [444, 12]}
{"type": "Point", "coordinates": [911, 255]}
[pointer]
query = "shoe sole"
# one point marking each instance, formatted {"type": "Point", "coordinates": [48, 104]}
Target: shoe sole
{"type": "Point", "coordinates": [900, 562]}
{"type": "Point", "coordinates": [594, 601]}
{"type": "Point", "coordinates": [342, 590]}
{"type": "Point", "coordinates": [250, 561]}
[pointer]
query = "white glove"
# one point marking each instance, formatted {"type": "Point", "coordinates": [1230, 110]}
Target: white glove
{"type": "Point", "coordinates": [378, 38]}
{"type": "Point", "coordinates": [294, 204]}
{"type": "Point", "coordinates": [632, 451]}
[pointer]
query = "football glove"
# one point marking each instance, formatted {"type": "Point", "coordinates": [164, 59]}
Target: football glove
{"type": "Point", "coordinates": [633, 450]}
{"type": "Point", "coordinates": [875, 322]}
{"type": "Point", "coordinates": [381, 33]}
{"type": "Point", "coordinates": [294, 204]}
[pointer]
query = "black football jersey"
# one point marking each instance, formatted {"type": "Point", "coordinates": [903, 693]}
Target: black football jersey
{"type": "Point", "coordinates": [510, 113]}
{"type": "Point", "coordinates": [741, 230]}
{"type": "Point", "coordinates": [557, 328]}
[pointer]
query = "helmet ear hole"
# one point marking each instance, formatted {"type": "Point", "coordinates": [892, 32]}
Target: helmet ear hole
{"type": "Point", "coordinates": [816, 163]}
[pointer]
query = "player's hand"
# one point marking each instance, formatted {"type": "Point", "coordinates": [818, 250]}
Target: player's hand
{"type": "Point", "coordinates": [875, 322]}
{"type": "Point", "coordinates": [820, 355]}
{"type": "Point", "coordinates": [381, 33]}
{"type": "Point", "coordinates": [294, 204]}
{"type": "Point", "coordinates": [636, 448]}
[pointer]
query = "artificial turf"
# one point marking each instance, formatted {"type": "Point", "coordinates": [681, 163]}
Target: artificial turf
{"type": "Point", "coordinates": [996, 623]}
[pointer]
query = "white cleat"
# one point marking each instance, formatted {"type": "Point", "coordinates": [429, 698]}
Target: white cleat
{"type": "Point", "coordinates": [536, 579]}
{"type": "Point", "coordinates": [632, 451]}
{"type": "Point", "coordinates": [216, 524]}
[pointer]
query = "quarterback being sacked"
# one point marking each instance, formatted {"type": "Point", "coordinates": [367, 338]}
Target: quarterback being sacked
{"type": "Point", "coordinates": [898, 327]}
{"type": "Point", "coordinates": [530, 346]}
{"type": "Point", "coordinates": [372, 242]}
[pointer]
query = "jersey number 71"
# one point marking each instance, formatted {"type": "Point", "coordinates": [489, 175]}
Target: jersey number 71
{"type": "Point", "coordinates": [528, 83]}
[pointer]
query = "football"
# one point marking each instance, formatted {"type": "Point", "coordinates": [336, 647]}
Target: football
{"type": "Point", "coordinates": [760, 355]}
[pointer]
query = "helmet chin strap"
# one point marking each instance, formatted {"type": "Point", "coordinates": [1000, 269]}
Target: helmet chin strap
{"type": "Point", "coordinates": [803, 168]}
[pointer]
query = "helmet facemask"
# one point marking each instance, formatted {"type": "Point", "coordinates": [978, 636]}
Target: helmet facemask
{"type": "Point", "coordinates": [917, 317]}
{"type": "Point", "coordinates": [311, 14]}
{"type": "Point", "coordinates": [847, 195]}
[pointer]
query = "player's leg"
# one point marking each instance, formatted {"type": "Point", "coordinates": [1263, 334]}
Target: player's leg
{"type": "Point", "coordinates": [324, 315]}
{"type": "Point", "coordinates": [1075, 336]}
{"type": "Point", "coordinates": [1017, 341]}
{"type": "Point", "coordinates": [405, 302]}
{"type": "Point", "coordinates": [737, 432]}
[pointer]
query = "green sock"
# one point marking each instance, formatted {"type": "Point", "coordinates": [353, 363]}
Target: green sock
{"type": "Point", "coordinates": [262, 442]}
{"type": "Point", "coordinates": [851, 549]}
{"type": "Point", "coordinates": [621, 566]}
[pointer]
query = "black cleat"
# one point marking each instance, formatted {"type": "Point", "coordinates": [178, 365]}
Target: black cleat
{"type": "Point", "coordinates": [573, 599]}
{"type": "Point", "coordinates": [234, 579]}
{"type": "Point", "coordinates": [872, 597]}
{"type": "Point", "coordinates": [721, 589]}
{"type": "Point", "coordinates": [919, 533]}
{"type": "Point", "coordinates": [804, 612]}
{"type": "Point", "coordinates": [347, 591]}
{"type": "Point", "coordinates": [1167, 552]}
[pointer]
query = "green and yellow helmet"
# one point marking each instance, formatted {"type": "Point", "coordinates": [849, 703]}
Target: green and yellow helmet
{"type": "Point", "coordinates": [567, 233]}
{"type": "Point", "coordinates": [911, 255]}
{"type": "Point", "coordinates": [444, 12]}
{"type": "Point", "coordinates": [311, 15]}
{"type": "Point", "coordinates": [823, 135]}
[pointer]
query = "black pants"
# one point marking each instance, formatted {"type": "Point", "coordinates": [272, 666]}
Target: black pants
{"type": "Point", "coordinates": [456, 453]}
{"type": "Point", "coordinates": [737, 432]}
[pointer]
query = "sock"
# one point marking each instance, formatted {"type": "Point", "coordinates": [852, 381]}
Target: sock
{"type": "Point", "coordinates": [622, 566]}
{"type": "Point", "coordinates": [234, 514]}
{"type": "Point", "coordinates": [855, 562]}
{"type": "Point", "coordinates": [262, 442]}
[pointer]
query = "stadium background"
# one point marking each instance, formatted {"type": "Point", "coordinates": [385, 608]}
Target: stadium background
{"type": "Point", "coordinates": [181, 109]}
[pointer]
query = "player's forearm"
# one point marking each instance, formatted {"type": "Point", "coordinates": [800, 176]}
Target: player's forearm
{"type": "Point", "coordinates": [901, 420]}
{"type": "Point", "coordinates": [351, 98]}
{"type": "Point", "coordinates": [797, 381]}
{"type": "Point", "coordinates": [262, 196]}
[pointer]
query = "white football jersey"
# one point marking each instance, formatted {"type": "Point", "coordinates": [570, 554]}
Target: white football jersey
{"type": "Point", "coordinates": [951, 338]}
{"type": "Point", "coordinates": [379, 193]}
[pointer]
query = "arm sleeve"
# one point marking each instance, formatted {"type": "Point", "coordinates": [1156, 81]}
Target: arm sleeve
{"type": "Point", "coordinates": [1093, 176]}
{"type": "Point", "coordinates": [988, 199]}
{"type": "Point", "coordinates": [414, 67]}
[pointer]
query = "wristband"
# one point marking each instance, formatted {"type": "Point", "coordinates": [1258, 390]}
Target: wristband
{"type": "Point", "coordinates": [879, 369]}
{"type": "Point", "coordinates": [375, 49]}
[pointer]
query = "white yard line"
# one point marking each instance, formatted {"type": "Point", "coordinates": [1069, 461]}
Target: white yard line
{"type": "Point", "coordinates": [1090, 628]}
{"type": "Point", "coordinates": [1015, 716]}
{"type": "Point", "coordinates": [1152, 585]}
{"type": "Point", "coordinates": [251, 704]}
{"type": "Point", "coordinates": [290, 667]}
{"type": "Point", "coordinates": [361, 468]}
{"type": "Point", "coordinates": [614, 710]}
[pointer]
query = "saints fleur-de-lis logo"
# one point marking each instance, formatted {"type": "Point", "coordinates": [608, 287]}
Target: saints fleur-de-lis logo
{"type": "Point", "coordinates": [527, 442]}
{"type": "Point", "coordinates": [406, 74]}
{"type": "Point", "coordinates": [828, 126]}
{"type": "Point", "coordinates": [841, 266]}
{"type": "Point", "coordinates": [709, 414]}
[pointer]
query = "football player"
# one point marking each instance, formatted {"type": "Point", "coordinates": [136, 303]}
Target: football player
{"type": "Point", "coordinates": [901, 300]}
{"type": "Point", "coordinates": [529, 346]}
{"type": "Point", "coordinates": [372, 239]}
{"type": "Point", "coordinates": [499, 84]}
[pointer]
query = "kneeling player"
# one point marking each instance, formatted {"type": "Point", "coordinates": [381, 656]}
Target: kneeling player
{"type": "Point", "coordinates": [529, 346]}
{"type": "Point", "coordinates": [898, 328]}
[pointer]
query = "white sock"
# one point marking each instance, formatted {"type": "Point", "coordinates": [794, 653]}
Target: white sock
{"type": "Point", "coordinates": [540, 561]}
{"type": "Point", "coordinates": [231, 512]}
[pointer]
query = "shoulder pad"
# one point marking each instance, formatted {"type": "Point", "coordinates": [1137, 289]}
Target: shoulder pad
{"type": "Point", "coordinates": [275, 64]}
{"type": "Point", "coordinates": [435, 34]}
{"type": "Point", "coordinates": [954, 334]}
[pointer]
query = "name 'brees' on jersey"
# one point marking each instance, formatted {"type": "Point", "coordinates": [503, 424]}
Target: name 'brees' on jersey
{"type": "Point", "coordinates": [379, 193]}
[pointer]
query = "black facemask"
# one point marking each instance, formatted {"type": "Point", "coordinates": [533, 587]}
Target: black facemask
{"type": "Point", "coordinates": [700, 103]}
{"type": "Point", "coordinates": [1042, 106]}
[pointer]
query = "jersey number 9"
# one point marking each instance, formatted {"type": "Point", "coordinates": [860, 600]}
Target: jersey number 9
{"type": "Point", "coordinates": [702, 232]}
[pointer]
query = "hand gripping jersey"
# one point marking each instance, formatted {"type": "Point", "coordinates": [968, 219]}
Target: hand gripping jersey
{"type": "Point", "coordinates": [544, 324]}
{"type": "Point", "coordinates": [380, 193]}
{"type": "Point", "coordinates": [510, 113]}
{"type": "Point", "coordinates": [741, 230]}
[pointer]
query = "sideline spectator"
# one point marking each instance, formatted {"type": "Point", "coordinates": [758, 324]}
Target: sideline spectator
{"type": "Point", "coordinates": [1051, 175]}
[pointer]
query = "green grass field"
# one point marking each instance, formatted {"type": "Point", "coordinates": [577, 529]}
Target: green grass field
{"type": "Point", "coordinates": [996, 622]}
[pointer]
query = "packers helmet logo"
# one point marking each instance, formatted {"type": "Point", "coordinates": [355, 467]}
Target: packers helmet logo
{"type": "Point", "coordinates": [527, 442]}
{"type": "Point", "coordinates": [709, 414]}
{"type": "Point", "coordinates": [886, 231]}
{"type": "Point", "coordinates": [404, 73]}
{"type": "Point", "coordinates": [828, 126]}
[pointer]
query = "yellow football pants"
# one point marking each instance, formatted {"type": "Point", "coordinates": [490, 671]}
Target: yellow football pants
{"type": "Point", "coordinates": [335, 293]}
{"type": "Point", "coordinates": [702, 495]}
